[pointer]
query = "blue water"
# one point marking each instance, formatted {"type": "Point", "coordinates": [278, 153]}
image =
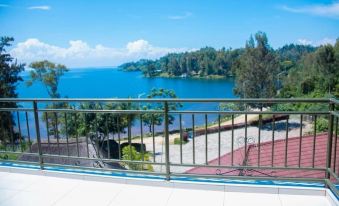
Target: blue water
{"type": "Point", "coordinates": [109, 83]}
{"type": "Point", "coordinates": [112, 83]}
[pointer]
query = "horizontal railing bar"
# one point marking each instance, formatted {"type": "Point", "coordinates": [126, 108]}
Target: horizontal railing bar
{"type": "Point", "coordinates": [249, 100]}
{"type": "Point", "coordinates": [249, 177]}
{"type": "Point", "coordinates": [171, 112]}
{"type": "Point", "coordinates": [104, 169]}
{"type": "Point", "coordinates": [18, 153]}
{"type": "Point", "coordinates": [103, 159]}
{"type": "Point", "coordinates": [250, 112]}
{"type": "Point", "coordinates": [250, 167]}
{"type": "Point", "coordinates": [16, 109]}
{"type": "Point", "coordinates": [101, 111]}
{"type": "Point", "coordinates": [83, 167]}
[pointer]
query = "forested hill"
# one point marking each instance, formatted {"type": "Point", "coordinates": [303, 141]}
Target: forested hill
{"type": "Point", "coordinates": [209, 62]}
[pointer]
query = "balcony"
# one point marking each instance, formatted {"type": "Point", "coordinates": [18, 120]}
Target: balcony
{"type": "Point", "coordinates": [58, 152]}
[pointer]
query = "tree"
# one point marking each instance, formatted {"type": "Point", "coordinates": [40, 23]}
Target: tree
{"type": "Point", "coordinates": [9, 79]}
{"type": "Point", "coordinates": [158, 118]}
{"type": "Point", "coordinates": [293, 53]}
{"type": "Point", "coordinates": [204, 62]}
{"type": "Point", "coordinates": [326, 64]}
{"type": "Point", "coordinates": [315, 75]}
{"type": "Point", "coordinates": [100, 124]}
{"type": "Point", "coordinates": [49, 73]}
{"type": "Point", "coordinates": [256, 69]}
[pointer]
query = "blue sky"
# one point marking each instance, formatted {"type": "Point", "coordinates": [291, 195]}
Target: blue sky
{"type": "Point", "coordinates": [104, 33]}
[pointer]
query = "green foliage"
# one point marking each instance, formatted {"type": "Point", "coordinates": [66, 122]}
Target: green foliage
{"type": "Point", "coordinates": [316, 74]}
{"type": "Point", "coordinates": [9, 156]}
{"type": "Point", "coordinates": [9, 79]}
{"type": "Point", "coordinates": [158, 118]}
{"type": "Point", "coordinates": [82, 124]}
{"type": "Point", "coordinates": [130, 153]}
{"type": "Point", "coordinates": [294, 70]}
{"type": "Point", "coordinates": [322, 125]}
{"type": "Point", "coordinates": [292, 53]}
{"type": "Point", "coordinates": [256, 69]}
{"type": "Point", "coordinates": [48, 73]}
{"type": "Point", "coordinates": [326, 62]}
{"type": "Point", "coordinates": [202, 63]}
{"type": "Point", "coordinates": [231, 107]}
{"type": "Point", "coordinates": [303, 106]}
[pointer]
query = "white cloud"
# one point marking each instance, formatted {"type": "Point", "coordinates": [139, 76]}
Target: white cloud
{"type": "Point", "coordinates": [326, 41]}
{"type": "Point", "coordinates": [304, 42]}
{"type": "Point", "coordinates": [320, 42]}
{"type": "Point", "coordinates": [179, 17]}
{"type": "Point", "coordinates": [43, 7]}
{"type": "Point", "coordinates": [80, 54]}
{"type": "Point", "coordinates": [138, 46]}
{"type": "Point", "coordinates": [330, 10]}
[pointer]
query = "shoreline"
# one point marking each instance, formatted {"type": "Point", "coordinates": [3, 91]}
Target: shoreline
{"type": "Point", "coordinates": [166, 75]}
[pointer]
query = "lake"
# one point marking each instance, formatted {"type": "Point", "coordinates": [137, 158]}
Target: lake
{"type": "Point", "coordinates": [113, 83]}
{"type": "Point", "coordinates": [110, 83]}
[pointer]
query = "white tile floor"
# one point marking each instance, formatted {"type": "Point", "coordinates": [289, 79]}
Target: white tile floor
{"type": "Point", "coordinates": [24, 189]}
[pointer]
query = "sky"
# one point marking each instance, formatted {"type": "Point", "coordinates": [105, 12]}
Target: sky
{"type": "Point", "coordinates": [84, 33]}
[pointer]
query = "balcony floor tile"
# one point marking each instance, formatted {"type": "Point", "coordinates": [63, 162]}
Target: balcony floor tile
{"type": "Point", "coordinates": [301, 200]}
{"type": "Point", "coordinates": [196, 197]}
{"type": "Point", "coordinates": [132, 195]}
{"type": "Point", "coordinates": [26, 189]}
{"type": "Point", "coordinates": [245, 199]}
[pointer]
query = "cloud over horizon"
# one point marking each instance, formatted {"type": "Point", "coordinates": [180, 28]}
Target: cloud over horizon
{"type": "Point", "coordinates": [81, 54]}
{"type": "Point", "coordinates": [320, 42]}
{"type": "Point", "coordinates": [43, 7]}
{"type": "Point", "coordinates": [329, 10]}
{"type": "Point", "coordinates": [179, 17]}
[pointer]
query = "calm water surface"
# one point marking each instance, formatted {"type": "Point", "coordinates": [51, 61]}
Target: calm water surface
{"type": "Point", "coordinates": [107, 83]}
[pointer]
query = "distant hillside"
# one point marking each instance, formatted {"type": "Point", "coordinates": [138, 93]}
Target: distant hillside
{"type": "Point", "coordinates": [209, 62]}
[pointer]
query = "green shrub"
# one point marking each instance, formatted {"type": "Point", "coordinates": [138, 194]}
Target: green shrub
{"type": "Point", "coordinates": [321, 125]}
{"type": "Point", "coordinates": [130, 153]}
{"type": "Point", "coordinates": [8, 156]}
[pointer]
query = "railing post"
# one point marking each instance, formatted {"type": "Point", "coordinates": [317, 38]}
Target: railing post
{"type": "Point", "coordinates": [329, 141]}
{"type": "Point", "coordinates": [37, 129]}
{"type": "Point", "coordinates": [167, 162]}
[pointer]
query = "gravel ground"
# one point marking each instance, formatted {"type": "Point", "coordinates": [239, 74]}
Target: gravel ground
{"type": "Point", "coordinates": [187, 149]}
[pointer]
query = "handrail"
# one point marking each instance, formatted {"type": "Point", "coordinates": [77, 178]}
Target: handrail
{"type": "Point", "coordinates": [201, 100]}
{"type": "Point", "coordinates": [65, 116]}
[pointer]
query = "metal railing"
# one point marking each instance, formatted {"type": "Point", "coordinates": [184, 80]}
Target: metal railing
{"type": "Point", "coordinates": [198, 139]}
